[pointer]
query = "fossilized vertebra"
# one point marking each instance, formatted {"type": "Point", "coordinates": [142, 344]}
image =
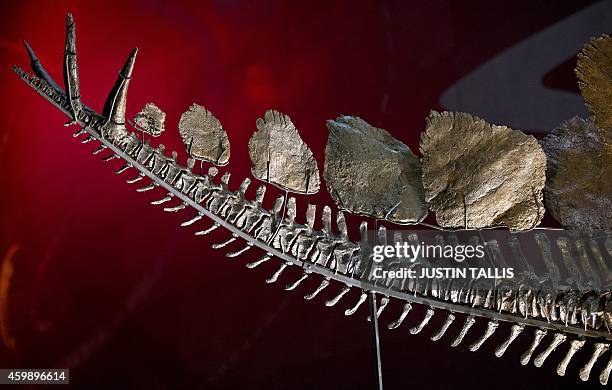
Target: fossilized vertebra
{"type": "Point", "coordinates": [369, 172]}
{"type": "Point", "coordinates": [477, 175]}
{"type": "Point", "coordinates": [279, 156]}
{"type": "Point", "coordinates": [594, 70]}
{"type": "Point", "coordinates": [579, 176]}
{"type": "Point", "coordinates": [204, 136]}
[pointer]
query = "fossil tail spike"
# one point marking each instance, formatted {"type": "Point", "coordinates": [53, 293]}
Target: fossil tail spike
{"type": "Point", "coordinates": [313, 294]}
{"type": "Point", "coordinates": [71, 73]}
{"type": "Point", "coordinates": [538, 335]}
{"type": "Point", "coordinates": [447, 322]}
{"type": "Point", "coordinates": [491, 328]}
{"type": "Point", "coordinates": [384, 301]}
{"type": "Point", "coordinates": [239, 251]}
{"type": "Point", "coordinates": [428, 314]}
{"type": "Point", "coordinates": [515, 330]}
{"type": "Point", "coordinates": [192, 220]}
{"type": "Point", "coordinates": [224, 243]}
{"type": "Point", "coordinates": [575, 346]}
{"type": "Point", "coordinates": [292, 286]}
{"type": "Point", "coordinates": [135, 179]}
{"type": "Point", "coordinates": [261, 260]}
{"type": "Point", "coordinates": [395, 324]}
{"type": "Point", "coordinates": [558, 339]}
{"type": "Point", "coordinates": [207, 231]}
{"type": "Point", "coordinates": [163, 200]}
{"type": "Point", "coordinates": [352, 310]}
{"type": "Point", "coordinates": [101, 148]}
{"type": "Point", "coordinates": [38, 69]}
{"type": "Point", "coordinates": [338, 297]}
{"type": "Point", "coordinates": [605, 373]}
{"type": "Point", "coordinates": [114, 108]}
{"type": "Point", "coordinates": [585, 371]}
{"type": "Point", "coordinates": [276, 275]}
{"type": "Point", "coordinates": [469, 321]}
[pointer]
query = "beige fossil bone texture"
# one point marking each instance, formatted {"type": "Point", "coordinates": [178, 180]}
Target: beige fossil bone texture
{"type": "Point", "coordinates": [476, 174]}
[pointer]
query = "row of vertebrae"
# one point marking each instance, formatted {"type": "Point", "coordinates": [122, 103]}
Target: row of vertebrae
{"type": "Point", "coordinates": [349, 262]}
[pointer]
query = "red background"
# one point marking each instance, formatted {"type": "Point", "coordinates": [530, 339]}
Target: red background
{"type": "Point", "coordinates": [112, 288]}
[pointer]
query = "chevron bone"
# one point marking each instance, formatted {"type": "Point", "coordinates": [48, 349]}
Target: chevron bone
{"type": "Point", "coordinates": [545, 302]}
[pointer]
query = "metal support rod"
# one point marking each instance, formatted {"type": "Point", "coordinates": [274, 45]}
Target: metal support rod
{"type": "Point", "coordinates": [376, 340]}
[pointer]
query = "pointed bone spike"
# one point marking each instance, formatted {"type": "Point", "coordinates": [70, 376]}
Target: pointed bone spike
{"type": "Point", "coordinates": [515, 330]}
{"type": "Point", "coordinates": [384, 301]}
{"type": "Point", "coordinates": [491, 327]}
{"type": "Point", "coordinates": [605, 373]}
{"type": "Point", "coordinates": [239, 251]}
{"type": "Point", "coordinates": [100, 148]}
{"type": "Point", "coordinates": [175, 208]}
{"type": "Point", "coordinates": [192, 220]}
{"type": "Point", "coordinates": [134, 180]}
{"type": "Point", "coordinates": [224, 243]}
{"type": "Point", "coordinates": [146, 188]}
{"type": "Point", "coordinates": [575, 346]}
{"type": "Point", "coordinates": [428, 314]}
{"type": "Point", "coordinates": [292, 286]}
{"type": "Point", "coordinates": [39, 69]}
{"type": "Point", "coordinates": [469, 321]}
{"type": "Point", "coordinates": [395, 324]}
{"type": "Point", "coordinates": [274, 277]}
{"type": "Point", "coordinates": [263, 259]}
{"type": "Point", "coordinates": [338, 297]}
{"type": "Point", "coordinates": [558, 339]}
{"type": "Point", "coordinates": [205, 232]}
{"type": "Point", "coordinates": [71, 74]}
{"type": "Point", "coordinates": [313, 294]}
{"type": "Point", "coordinates": [538, 335]}
{"type": "Point", "coordinates": [163, 200]}
{"type": "Point", "coordinates": [585, 371]}
{"type": "Point", "coordinates": [352, 310]}
{"type": "Point", "coordinates": [114, 108]}
{"type": "Point", "coordinates": [123, 168]}
{"type": "Point", "coordinates": [447, 323]}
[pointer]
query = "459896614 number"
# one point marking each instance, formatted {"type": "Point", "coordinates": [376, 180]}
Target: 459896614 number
{"type": "Point", "coordinates": [34, 376]}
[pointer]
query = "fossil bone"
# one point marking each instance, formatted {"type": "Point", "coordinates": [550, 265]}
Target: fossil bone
{"type": "Point", "coordinates": [150, 120]}
{"type": "Point", "coordinates": [515, 330]}
{"type": "Point", "coordinates": [279, 156]}
{"type": "Point", "coordinates": [558, 339]}
{"type": "Point", "coordinates": [114, 108]}
{"type": "Point", "coordinates": [579, 176]}
{"type": "Point", "coordinates": [479, 175]}
{"type": "Point", "coordinates": [585, 371]}
{"type": "Point", "coordinates": [491, 327]}
{"type": "Point", "coordinates": [369, 172]}
{"type": "Point", "coordinates": [447, 323]}
{"type": "Point", "coordinates": [469, 321]}
{"type": "Point", "coordinates": [593, 71]}
{"type": "Point", "coordinates": [428, 314]}
{"type": "Point", "coordinates": [538, 335]}
{"type": "Point", "coordinates": [204, 136]}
